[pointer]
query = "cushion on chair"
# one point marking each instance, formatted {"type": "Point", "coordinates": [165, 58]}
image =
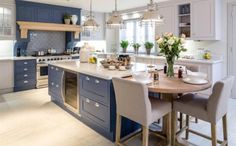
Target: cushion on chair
{"type": "Point", "coordinates": [192, 105]}
{"type": "Point", "coordinates": [159, 108]}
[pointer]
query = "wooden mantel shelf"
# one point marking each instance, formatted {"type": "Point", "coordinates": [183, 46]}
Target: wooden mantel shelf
{"type": "Point", "coordinates": [26, 26]}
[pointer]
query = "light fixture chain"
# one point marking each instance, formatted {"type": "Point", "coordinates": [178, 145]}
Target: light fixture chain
{"type": "Point", "coordinates": [115, 5]}
{"type": "Point", "coordinates": [90, 8]}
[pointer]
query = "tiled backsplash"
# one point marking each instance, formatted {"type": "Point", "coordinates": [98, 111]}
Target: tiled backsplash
{"type": "Point", "coordinates": [43, 40]}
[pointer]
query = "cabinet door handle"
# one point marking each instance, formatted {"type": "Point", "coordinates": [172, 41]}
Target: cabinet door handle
{"type": "Point", "coordinates": [97, 81]}
{"type": "Point", "coordinates": [25, 69]}
{"type": "Point", "coordinates": [97, 105]}
{"type": "Point", "coordinates": [57, 86]}
{"type": "Point", "coordinates": [25, 75]}
{"type": "Point", "coordinates": [25, 63]}
{"type": "Point", "coordinates": [25, 82]}
{"type": "Point", "coordinates": [87, 78]}
{"type": "Point", "coordinates": [52, 84]}
{"type": "Point", "coordinates": [87, 100]}
{"type": "Point", "coordinates": [52, 67]}
{"type": "Point", "coordinates": [56, 69]}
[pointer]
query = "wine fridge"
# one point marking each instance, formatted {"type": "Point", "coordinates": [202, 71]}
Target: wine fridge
{"type": "Point", "coordinates": [71, 96]}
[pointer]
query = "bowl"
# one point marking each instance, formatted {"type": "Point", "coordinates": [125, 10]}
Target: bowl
{"type": "Point", "coordinates": [141, 76]}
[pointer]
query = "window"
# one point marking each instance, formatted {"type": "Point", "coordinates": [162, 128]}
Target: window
{"type": "Point", "coordinates": [135, 33]}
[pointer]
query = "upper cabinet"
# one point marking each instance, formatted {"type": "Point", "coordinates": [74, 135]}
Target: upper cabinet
{"type": "Point", "coordinates": [197, 19]}
{"type": "Point", "coordinates": [168, 12]}
{"type": "Point", "coordinates": [205, 19]}
{"type": "Point", "coordinates": [7, 20]}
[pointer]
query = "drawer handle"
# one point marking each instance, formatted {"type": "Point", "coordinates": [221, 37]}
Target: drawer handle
{"type": "Point", "coordinates": [97, 105]}
{"type": "Point", "coordinates": [25, 82]}
{"type": "Point", "coordinates": [87, 78]}
{"type": "Point", "coordinates": [25, 75]}
{"type": "Point", "coordinates": [25, 69]}
{"type": "Point", "coordinates": [57, 86]}
{"type": "Point", "coordinates": [25, 63]}
{"type": "Point", "coordinates": [52, 84]}
{"type": "Point", "coordinates": [56, 69]}
{"type": "Point", "coordinates": [87, 100]}
{"type": "Point", "coordinates": [97, 81]}
{"type": "Point", "coordinates": [52, 67]}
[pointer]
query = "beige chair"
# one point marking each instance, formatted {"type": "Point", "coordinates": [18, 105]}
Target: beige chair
{"type": "Point", "coordinates": [132, 102]}
{"type": "Point", "coordinates": [210, 109]}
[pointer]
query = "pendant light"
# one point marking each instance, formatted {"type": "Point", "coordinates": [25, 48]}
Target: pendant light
{"type": "Point", "coordinates": [115, 20]}
{"type": "Point", "coordinates": [151, 15]}
{"type": "Point", "coordinates": [90, 24]}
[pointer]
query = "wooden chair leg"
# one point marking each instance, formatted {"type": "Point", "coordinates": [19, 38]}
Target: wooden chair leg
{"type": "Point", "coordinates": [118, 129]}
{"type": "Point", "coordinates": [181, 121]}
{"type": "Point", "coordinates": [213, 135]}
{"type": "Point", "coordinates": [225, 129]}
{"type": "Point", "coordinates": [145, 135]}
{"type": "Point", "coordinates": [173, 127]}
{"type": "Point", "coordinates": [187, 125]}
{"type": "Point", "coordinates": [169, 130]}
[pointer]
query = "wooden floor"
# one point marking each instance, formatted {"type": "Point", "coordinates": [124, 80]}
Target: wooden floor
{"type": "Point", "coordinates": [30, 119]}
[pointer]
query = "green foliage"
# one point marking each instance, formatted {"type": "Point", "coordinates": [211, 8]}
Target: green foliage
{"type": "Point", "coordinates": [67, 16]}
{"type": "Point", "coordinates": [136, 45]}
{"type": "Point", "coordinates": [149, 45]}
{"type": "Point", "coordinates": [124, 44]}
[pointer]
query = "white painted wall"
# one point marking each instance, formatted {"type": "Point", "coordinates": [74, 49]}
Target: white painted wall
{"type": "Point", "coordinates": [6, 48]}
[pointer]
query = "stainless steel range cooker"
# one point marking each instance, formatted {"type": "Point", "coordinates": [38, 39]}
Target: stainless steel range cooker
{"type": "Point", "coordinates": [42, 68]}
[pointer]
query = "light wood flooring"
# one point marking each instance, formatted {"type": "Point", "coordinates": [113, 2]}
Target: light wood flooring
{"type": "Point", "coordinates": [29, 118]}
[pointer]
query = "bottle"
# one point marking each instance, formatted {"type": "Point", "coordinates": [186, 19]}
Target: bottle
{"type": "Point", "coordinates": [165, 68]}
{"type": "Point", "coordinates": [18, 54]}
{"type": "Point", "coordinates": [180, 72]}
{"type": "Point", "coordinates": [156, 76]}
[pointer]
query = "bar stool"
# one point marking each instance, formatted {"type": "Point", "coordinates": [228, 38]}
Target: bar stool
{"type": "Point", "coordinates": [132, 102]}
{"type": "Point", "coordinates": [210, 109]}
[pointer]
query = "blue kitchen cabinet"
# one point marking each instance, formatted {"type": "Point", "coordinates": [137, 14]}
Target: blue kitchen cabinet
{"type": "Point", "coordinates": [24, 74]}
{"type": "Point", "coordinates": [98, 107]}
{"type": "Point", "coordinates": [44, 14]}
{"type": "Point", "coordinates": [55, 81]}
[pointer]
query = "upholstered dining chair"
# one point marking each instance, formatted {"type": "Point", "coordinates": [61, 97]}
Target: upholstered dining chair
{"type": "Point", "coordinates": [210, 109]}
{"type": "Point", "coordinates": [132, 102]}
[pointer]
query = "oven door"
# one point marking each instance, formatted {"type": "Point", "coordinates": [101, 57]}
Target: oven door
{"type": "Point", "coordinates": [42, 71]}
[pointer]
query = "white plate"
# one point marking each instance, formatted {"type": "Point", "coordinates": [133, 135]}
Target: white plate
{"type": "Point", "coordinates": [145, 81]}
{"type": "Point", "coordinates": [195, 81]}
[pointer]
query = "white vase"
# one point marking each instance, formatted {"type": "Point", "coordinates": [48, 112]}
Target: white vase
{"type": "Point", "coordinates": [74, 19]}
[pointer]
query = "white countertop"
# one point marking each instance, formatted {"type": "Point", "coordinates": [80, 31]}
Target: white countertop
{"type": "Point", "coordinates": [16, 58]}
{"type": "Point", "coordinates": [96, 69]}
{"type": "Point", "coordinates": [183, 60]}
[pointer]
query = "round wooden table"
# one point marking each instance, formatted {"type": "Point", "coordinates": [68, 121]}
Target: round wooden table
{"type": "Point", "coordinates": [169, 89]}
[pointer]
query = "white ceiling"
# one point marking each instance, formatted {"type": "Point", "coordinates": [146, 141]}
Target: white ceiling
{"type": "Point", "coordinates": [98, 5]}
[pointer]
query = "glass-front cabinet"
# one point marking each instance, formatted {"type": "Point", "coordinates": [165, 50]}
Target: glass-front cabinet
{"type": "Point", "coordinates": [7, 19]}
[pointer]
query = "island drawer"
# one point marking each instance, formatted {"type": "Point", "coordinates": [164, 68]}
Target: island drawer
{"type": "Point", "coordinates": [95, 111]}
{"type": "Point", "coordinates": [94, 88]}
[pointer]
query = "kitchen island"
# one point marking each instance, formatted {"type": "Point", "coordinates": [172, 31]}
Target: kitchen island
{"type": "Point", "coordinates": [86, 91]}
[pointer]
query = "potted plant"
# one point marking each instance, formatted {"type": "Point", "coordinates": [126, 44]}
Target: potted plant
{"type": "Point", "coordinates": [136, 47]}
{"type": "Point", "coordinates": [171, 47]}
{"type": "Point", "coordinates": [67, 18]}
{"type": "Point", "coordinates": [148, 46]}
{"type": "Point", "coordinates": [124, 45]}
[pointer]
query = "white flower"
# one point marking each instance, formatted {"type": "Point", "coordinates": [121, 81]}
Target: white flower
{"type": "Point", "coordinates": [171, 41]}
{"type": "Point", "coordinates": [170, 48]}
{"type": "Point", "coordinates": [182, 40]}
{"type": "Point", "coordinates": [160, 41]}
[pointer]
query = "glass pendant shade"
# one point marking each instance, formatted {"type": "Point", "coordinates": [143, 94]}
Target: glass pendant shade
{"type": "Point", "coordinates": [151, 15]}
{"type": "Point", "coordinates": [115, 20]}
{"type": "Point", "coordinates": [90, 24]}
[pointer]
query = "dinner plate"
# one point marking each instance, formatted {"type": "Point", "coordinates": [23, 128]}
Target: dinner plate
{"type": "Point", "coordinates": [195, 81]}
{"type": "Point", "coordinates": [144, 81]}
